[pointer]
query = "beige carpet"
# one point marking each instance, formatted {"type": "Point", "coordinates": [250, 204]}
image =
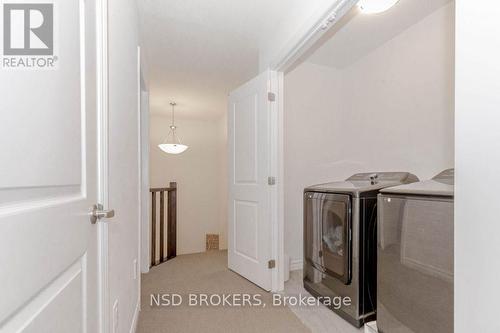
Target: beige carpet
{"type": "Point", "coordinates": [208, 273]}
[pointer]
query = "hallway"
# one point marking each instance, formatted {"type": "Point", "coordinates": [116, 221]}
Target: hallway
{"type": "Point", "coordinates": [207, 273]}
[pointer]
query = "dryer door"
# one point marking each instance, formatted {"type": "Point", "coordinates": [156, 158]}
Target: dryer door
{"type": "Point", "coordinates": [415, 264]}
{"type": "Point", "coordinates": [327, 233]}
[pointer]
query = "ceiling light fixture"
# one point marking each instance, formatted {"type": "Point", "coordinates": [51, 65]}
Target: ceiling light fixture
{"type": "Point", "coordinates": [375, 6]}
{"type": "Point", "coordinates": [173, 146]}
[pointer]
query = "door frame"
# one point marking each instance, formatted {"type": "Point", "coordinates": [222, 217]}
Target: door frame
{"type": "Point", "coordinates": [295, 50]}
{"type": "Point", "coordinates": [142, 118]}
{"type": "Point", "coordinates": [144, 185]}
{"type": "Point", "coordinates": [143, 130]}
{"type": "Point", "coordinates": [102, 94]}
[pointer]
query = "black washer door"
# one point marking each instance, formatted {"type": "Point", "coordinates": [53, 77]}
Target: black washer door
{"type": "Point", "coordinates": [327, 233]}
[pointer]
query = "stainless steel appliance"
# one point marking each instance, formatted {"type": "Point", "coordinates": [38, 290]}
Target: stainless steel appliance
{"type": "Point", "coordinates": [340, 241]}
{"type": "Point", "coordinates": [415, 257]}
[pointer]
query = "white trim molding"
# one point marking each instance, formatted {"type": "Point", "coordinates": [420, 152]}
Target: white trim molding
{"type": "Point", "coordinates": [103, 157]}
{"type": "Point", "coordinates": [294, 50]}
{"type": "Point", "coordinates": [278, 170]}
{"type": "Point", "coordinates": [277, 230]}
{"type": "Point", "coordinates": [138, 260]}
{"type": "Point", "coordinates": [311, 32]}
{"type": "Point", "coordinates": [296, 264]}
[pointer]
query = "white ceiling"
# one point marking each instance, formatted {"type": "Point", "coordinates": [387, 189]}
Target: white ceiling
{"type": "Point", "coordinates": [358, 34]}
{"type": "Point", "coordinates": [198, 50]}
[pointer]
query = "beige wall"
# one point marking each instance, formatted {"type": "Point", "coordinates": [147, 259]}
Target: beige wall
{"type": "Point", "coordinates": [199, 175]}
{"type": "Point", "coordinates": [391, 110]}
{"type": "Point", "coordinates": [223, 179]}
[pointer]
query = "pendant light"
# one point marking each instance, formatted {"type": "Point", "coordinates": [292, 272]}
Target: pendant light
{"type": "Point", "coordinates": [375, 6]}
{"type": "Point", "coordinates": [172, 144]}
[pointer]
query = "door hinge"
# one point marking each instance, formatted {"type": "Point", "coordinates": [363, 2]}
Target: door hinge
{"type": "Point", "coordinates": [271, 180]}
{"type": "Point", "coordinates": [271, 97]}
{"type": "Point", "coordinates": [271, 264]}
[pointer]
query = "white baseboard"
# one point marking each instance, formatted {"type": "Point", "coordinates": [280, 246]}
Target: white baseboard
{"type": "Point", "coordinates": [135, 319]}
{"type": "Point", "coordinates": [296, 264]}
{"type": "Point", "coordinates": [371, 327]}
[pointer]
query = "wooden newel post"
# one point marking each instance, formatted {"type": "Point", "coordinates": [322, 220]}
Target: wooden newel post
{"type": "Point", "coordinates": [162, 226]}
{"type": "Point", "coordinates": [153, 229]}
{"type": "Point", "coordinates": [172, 222]}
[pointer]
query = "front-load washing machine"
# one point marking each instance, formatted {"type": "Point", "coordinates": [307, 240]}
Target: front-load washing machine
{"type": "Point", "coordinates": [415, 257]}
{"type": "Point", "coordinates": [340, 242]}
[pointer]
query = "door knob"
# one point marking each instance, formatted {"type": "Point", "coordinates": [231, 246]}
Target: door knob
{"type": "Point", "coordinates": [97, 212]}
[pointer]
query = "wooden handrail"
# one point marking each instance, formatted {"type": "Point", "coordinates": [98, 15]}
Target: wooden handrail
{"type": "Point", "coordinates": [162, 189]}
{"type": "Point", "coordinates": [171, 223]}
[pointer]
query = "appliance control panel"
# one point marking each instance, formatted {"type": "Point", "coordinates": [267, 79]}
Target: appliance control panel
{"type": "Point", "coordinates": [380, 176]}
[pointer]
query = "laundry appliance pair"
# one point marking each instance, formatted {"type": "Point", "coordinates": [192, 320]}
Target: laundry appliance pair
{"type": "Point", "coordinates": [341, 236]}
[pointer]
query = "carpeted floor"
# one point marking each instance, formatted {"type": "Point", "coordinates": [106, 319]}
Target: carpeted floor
{"type": "Point", "coordinates": [207, 273]}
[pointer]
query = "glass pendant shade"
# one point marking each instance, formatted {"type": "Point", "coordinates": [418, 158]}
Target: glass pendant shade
{"type": "Point", "coordinates": [172, 144]}
{"type": "Point", "coordinates": [375, 6]}
{"type": "Point", "coordinates": [172, 148]}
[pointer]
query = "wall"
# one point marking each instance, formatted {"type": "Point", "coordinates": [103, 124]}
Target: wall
{"type": "Point", "coordinates": [392, 110]}
{"type": "Point", "coordinates": [477, 159]}
{"type": "Point", "coordinates": [199, 176]}
{"type": "Point", "coordinates": [223, 179]}
{"type": "Point", "coordinates": [123, 162]}
{"type": "Point", "coordinates": [311, 95]}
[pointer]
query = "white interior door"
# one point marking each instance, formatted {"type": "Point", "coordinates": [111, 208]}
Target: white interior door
{"type": "Point", "coordinates": [252, 200]}
{"type": "Point", "coordinates": [48, 182]}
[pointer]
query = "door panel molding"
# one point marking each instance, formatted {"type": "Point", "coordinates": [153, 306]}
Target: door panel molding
{"type": "Point", "coordinates": [29, 311]}
{"type": "Point", "coordinates": [249, 175]}
{"type": "Point", "coordinates": [249, 233]}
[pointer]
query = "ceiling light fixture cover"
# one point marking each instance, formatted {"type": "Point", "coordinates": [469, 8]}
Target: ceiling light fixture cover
{"type": "Point", "coordinates": [375, 6]}
{"type": "Point", "coordinates": [172, 144]}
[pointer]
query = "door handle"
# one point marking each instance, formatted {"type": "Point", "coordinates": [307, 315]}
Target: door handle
{"type": "Point", "coordinates": [97, 212]}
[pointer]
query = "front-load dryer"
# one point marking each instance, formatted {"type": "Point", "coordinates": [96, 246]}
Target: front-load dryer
{"type": "Point", "coordinates": [415, 257]}
{"type": "Point", "coordinates": [340, 242]}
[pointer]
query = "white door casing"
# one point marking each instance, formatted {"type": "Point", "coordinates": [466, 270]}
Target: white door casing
{"type": "Point", "coordinates": [145, 204]}
{"type": "Point", "coordinates": [48, 182]}
{"type": "Point", "coordinates": [252, 159]}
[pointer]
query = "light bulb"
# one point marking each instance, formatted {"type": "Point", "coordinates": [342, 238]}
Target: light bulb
{"type": "Point", "coordinates": [375, 6]}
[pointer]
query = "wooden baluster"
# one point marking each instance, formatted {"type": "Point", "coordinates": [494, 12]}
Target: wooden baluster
{"type": "Point", "coordinates": [172, 222]}
{"type": "Point", "coordinates": [153, 229]}
{"type": "Point", "coordinates": [162, 225]}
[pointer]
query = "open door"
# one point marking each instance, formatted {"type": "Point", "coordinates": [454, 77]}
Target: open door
{"type": "Point", "coordinates": [252, 140]}
{"type": "Point", "coordinates": [48, 177]}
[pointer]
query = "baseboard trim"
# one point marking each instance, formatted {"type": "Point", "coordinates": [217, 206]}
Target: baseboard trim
{"type": "Point", "coordinates": [371, 327]}
{"type": "Point", "coordinates": [296, 264]}
{"type": "Point", "coordinates": [135, 319]}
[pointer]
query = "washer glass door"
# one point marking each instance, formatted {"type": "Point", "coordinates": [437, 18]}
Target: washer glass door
{"type": "Point", "coordinates": [327, 233]}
